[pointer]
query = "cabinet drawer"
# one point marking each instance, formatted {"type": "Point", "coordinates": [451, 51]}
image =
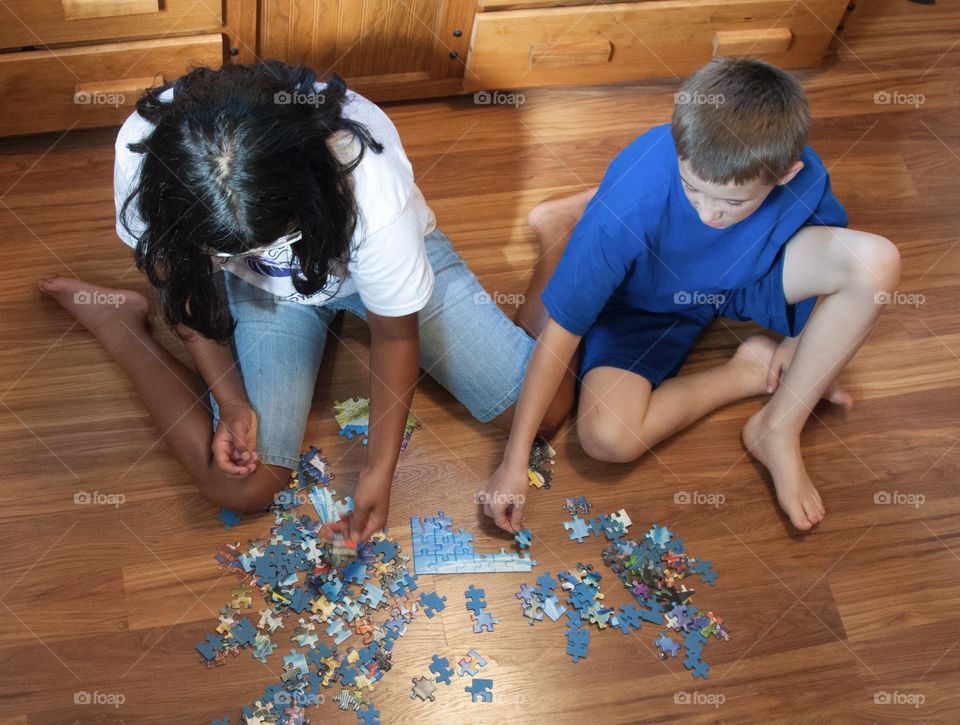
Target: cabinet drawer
{"type": "Point", "coordinates": [632, 41]}
{"type": "Point", "coordinates": [49, 22]}
{"type": "Point", "coordinates": [95, 85]}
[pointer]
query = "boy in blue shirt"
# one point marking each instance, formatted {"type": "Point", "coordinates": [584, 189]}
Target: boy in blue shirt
{"type": "Point", "coordinates": [725, 211]}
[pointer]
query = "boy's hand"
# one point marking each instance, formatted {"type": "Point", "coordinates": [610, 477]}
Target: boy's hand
{"type": "Point", "coordinates": [235, 441]}
{"type": "Point", "coordinates": [504, 496]}
{"type": "Point", "coordinates": [371, 503]}
{"type": "Point", "coordinates": [780, 362]}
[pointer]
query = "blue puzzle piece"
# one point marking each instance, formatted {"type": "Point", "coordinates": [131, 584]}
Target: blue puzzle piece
{"type": "Point", "coordinates": [243, 632]}
{"type": "Point", "coordinates": [368, 716]}
{"type": "Point", "coordinates": [577, 529]}
{"type": "Point", "coordinates": [432, 603]}
{"type": "Point", "coordinates": [441, 668]}
{"type": "Point", "coordinates": [229, 519]}
{"type": "Point", "coordinates": [628, 618]}
{"type": "Point", "coordinates": [577, 641]}
{"type": "Point", "coordinates": [475, 602]}
{"type": "Point", "coordinates": [523, 538]}
{"type": "Point", "coordinates": [481, 689]}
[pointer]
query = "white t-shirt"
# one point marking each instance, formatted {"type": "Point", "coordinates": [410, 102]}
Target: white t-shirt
{"type": "Point", "coordinates": [388, 263]}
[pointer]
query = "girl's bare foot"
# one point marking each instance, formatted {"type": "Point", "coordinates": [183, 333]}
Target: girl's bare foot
{"type": "Point", "coordinates": [780, 453]}
{"type": "Point", "coordinates": [110, 314]}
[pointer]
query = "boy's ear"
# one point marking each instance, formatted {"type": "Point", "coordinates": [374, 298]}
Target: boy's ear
{"type": "Point", "coordinates": [791, 172]}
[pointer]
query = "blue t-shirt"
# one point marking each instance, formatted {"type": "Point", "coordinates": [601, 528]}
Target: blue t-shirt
{"type": "Point", "coordinates": [640, 242]}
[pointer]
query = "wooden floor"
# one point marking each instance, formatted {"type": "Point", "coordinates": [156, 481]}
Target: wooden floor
{"type": "Point", "coordinates": [111, 599]}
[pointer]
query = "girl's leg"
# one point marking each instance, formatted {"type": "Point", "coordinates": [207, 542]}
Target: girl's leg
{"type": "Point", "coordinates": [174, 395]}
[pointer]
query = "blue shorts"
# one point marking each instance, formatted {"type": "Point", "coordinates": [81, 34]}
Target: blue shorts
{"type": "Point", "coordinates": [656, 344]}
{"type": "Point", "coordinates": [467, 344]}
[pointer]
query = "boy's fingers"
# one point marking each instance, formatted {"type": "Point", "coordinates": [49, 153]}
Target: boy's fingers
{"type": "Point", "coordinates": [516, 517]}
{"type": "Point", "coordinates": [500, 517]}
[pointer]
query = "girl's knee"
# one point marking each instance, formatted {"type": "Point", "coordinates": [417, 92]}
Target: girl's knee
{"type": "Point", "coordinates": [253, 493]}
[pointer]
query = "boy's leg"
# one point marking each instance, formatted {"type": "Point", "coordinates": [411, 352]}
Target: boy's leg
{"type": "Point", "coordinates": [174, 395]}
{"type": "Point", "coordinates": [847, 270]}
{"type": "Point", "coordinates": [619, 418]}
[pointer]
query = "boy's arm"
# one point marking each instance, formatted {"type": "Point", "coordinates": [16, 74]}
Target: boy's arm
{"type": "Point", "coordinates": [505, 493]}
{"type": "Point", "coordinates": [394, 366]}
{"type": "Point", "coordinates": [235, 440]}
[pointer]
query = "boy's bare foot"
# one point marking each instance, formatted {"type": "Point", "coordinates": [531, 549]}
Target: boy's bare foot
{"type": "Point", "coordinates": [99, 309]}
{"type": "Point", "coordinates": [780, 453]}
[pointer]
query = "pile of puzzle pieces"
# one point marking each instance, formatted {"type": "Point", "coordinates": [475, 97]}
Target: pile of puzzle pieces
{"type": "Point", "coordinates": [656, 571]}
{"type": "Point", "coordinates": [438, 550]}
{"type": "Point", "coordinates": [652, 570]}
{"type": "Point", "coordinates": [325, 599]}
{"type": "Point", "coordinates": [468, 666]}
{"type": "Point", "coordinates": [353, 417]}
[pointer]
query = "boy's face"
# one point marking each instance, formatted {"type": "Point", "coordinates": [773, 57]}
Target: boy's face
{"type": "Point", "coordinates": [721, 206]}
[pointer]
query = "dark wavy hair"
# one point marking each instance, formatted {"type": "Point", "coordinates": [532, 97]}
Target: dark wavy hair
{"type": "Point", "coordinates": [230, 166]}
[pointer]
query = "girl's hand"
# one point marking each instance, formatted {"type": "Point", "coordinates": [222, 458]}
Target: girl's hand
{"type": "Point", "coordinates": [780, 362]}
{"type": "Point", "coordinates": [371, 503]}
{"type": "Point", "coordinates": [504, 496]}
{"type": "Point", "coordinates": [235, 441]}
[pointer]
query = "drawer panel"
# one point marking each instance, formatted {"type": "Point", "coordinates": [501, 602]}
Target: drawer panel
{"type": "Point", "coordinates": [94, 85]}
{"type": "Point", "coordinates": [633, 41]}
{"type": "Point", "coordinates": [49, 22]}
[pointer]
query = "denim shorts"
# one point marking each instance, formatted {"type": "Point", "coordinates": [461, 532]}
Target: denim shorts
{"type": "Point", "coordinates": [467, 344]}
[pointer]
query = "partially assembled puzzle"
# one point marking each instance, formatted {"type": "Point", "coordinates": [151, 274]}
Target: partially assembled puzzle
{"type": "Point", "coordinates": [437, 549]}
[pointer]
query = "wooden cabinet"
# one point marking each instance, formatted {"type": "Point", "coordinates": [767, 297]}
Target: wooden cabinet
{"type": "Point", "coordinates": [67, 63]}
{"type": "Point", "coordinates": [605, 43]}
{"type": "Point", "coordinates": [83, 63]}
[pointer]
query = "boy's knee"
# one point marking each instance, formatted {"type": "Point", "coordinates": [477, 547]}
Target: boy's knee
{"type": "Point", "coordinates": [874, 262]}
{"type": "Point", "coordinates": [609, 440]}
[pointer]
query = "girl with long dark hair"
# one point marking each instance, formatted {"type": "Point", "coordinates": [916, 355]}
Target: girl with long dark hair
{"type": "Point", "coordinates": [259, 202]}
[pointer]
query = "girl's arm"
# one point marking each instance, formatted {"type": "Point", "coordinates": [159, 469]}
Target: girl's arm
{"type": "Point", "coordinates": [235, 441]}
{"type": "Point", "coordinates": [505, 492]}
{"type": "Point", "coordinates": [394, 367]}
